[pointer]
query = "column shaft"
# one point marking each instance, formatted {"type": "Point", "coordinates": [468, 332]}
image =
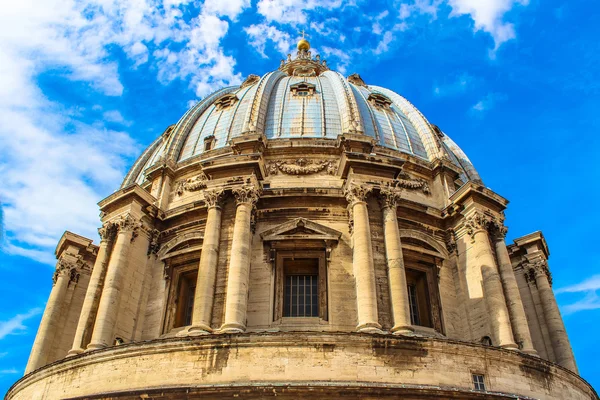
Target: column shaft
{"type": "Point", "coordinates": [92, 297]}
{"type": "Point", "coordinates": [364, 271]}
{"type": "Point", "coordinates": [49, 324]}
{"type": "Point", "coordinates": [108, 308]}
{"type": "Point", "coordinates": [396, 271]}
{"type": "Point", "coordinates": [239, 269]}
{"type": "Point", "coordinates": [493, 293]}
{"type": "Point", "coordinates": [513, 298]}
{"type": "Point", "coordinates": [207, 273]}
{"type": "Point", "coordinates": [554, 322]}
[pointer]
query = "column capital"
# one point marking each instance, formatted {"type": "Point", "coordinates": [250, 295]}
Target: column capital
{"type": "Point", "coordinates": [539, 269]}
{"type": "Point", "coordinates": [246, 194]}
{"type": "Point", "coordinates": [69, 267]}
{"type": "Point", "coordinates": [107, 232]}
{"type": "Point", "coordinates": [356, 193]}
{"type": "Point", "coordinates": [497, 229]}
{"type": "Point", "coordinates": [214, 198]}
{"type": "Point", "coordinates": [477, 222]}
{"type": "Point", "coordinates": [389, 198]}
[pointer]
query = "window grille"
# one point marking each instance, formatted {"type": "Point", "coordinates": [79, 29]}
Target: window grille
{"type": "Point", "coordinates": [189, 304]}
{"type": "Point", "coordinates": [301, 296]}
{"type": "Point", "coordinates": [478, 383]}
{"type": "Point", "coordinates": [413, 305]}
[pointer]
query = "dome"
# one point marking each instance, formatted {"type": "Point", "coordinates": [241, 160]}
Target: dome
{"type": "Point", "coordinates": [302, 235]}
{"type": "Point", "coordinates": [303, 99]}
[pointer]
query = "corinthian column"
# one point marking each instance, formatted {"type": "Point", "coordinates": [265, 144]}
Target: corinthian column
{"type": "Point", "coordinates": [395, 262]}
{"type": "Point", "coordinates": [207, 270]}
{"type": "Point", "coordinates": [92, 295]}
{"type": "Point", "coordinates": [239, 261]}
{"type": "Point", "coordinates": [481, 253]}
{"type": "Point", "coordinates": [511, 290]}
{"type": "Point", "coordinates": [362, 260]}
{"type": "Point", "coordinates": [554, 322]}
{"type": "Point", "coordinates": [49, 325]}
{"type": "Point", "coordinates": [108, 308]}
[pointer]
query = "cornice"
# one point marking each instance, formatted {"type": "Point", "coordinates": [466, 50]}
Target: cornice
{"type": "Point", "coordinates": [129, 194]}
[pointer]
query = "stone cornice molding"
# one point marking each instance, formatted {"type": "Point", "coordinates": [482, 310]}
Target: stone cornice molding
{"type": "Point", "coordinates": [246, 194]}
{"type": "Point", "coordinates": [214, 198]}
{"type": "Point", "coordinates": [356, 193]}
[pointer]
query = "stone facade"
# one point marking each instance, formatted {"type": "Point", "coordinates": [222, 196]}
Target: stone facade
{"type": "Point", "coordinates": [302, 267]}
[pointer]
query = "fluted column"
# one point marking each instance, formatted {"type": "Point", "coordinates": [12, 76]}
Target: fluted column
{"type": "Point", "coordinates": [395, 262]}
{"type": "Point", "coordinates": [108, 308]}
{"type": "Point", "coordinates": [92, 295]}
{"type": "Point", "coordinates": [556, 328]}
{"type": "Point", "coordinates": [481, 253]}
{"type": "Point", "coordinates": [49, 324]}
{"type": "Point", "coordinates": [207, 270]}
{"type": "Point", "coordinates": [362, 260]}
{"type": "Point", "coordinates": [239, 261]}
{"type": "Point", "coordinates": [511, 290]}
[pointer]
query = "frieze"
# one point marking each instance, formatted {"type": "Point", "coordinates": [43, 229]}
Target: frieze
{"type": "Point", "coordinates": [192, 184]}
{"type": "Point", "coordinates": [302, 166]}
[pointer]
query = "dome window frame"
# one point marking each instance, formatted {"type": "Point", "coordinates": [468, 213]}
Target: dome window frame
{"type": "Point", "coordinates": [226, 101]}
{"type": "Point", "coordinates": [380, 101]}
{"type": "Point", "coordinates": [303, 89]}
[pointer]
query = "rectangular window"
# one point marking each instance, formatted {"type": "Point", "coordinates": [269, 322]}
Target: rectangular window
{"type": "Point", "coordinates": [478, 383]}
{"type": "Point", "coordinates": [301, 296]}
{"type": "Point", "coordinates": [413, 305]}
{"type": "Point", "coordinates": [189, 303]}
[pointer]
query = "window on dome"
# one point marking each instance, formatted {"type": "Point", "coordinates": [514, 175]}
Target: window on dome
{"type": "Point", "coordinates": [209, 142]}
{"type": "Point", "coordinates": [225, 101]}
{"type": "Point", "coordinates": [379, 100]}
{"type": "Point", "coordinates": [302, 89]}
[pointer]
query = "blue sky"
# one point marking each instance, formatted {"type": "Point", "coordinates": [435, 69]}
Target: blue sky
{"type": "Point", "coordinates": [86, 85]}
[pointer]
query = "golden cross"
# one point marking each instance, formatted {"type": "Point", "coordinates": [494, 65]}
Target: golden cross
{"type": "Point", "coordinates": [303, 33]}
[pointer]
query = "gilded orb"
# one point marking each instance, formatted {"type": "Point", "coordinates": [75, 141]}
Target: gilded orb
{"type": "Point", "coordinates": [303, 44]}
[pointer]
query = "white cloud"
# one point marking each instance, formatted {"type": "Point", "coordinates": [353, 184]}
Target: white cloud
{"type": "Point", "coordinates": [15, 325]}
{"type": "Point", "coordinates": [488, 102]}
{"type": "Point", "coordinates": [116, 117]}
{"type": "Point", "coordinates": [384, 44]}
{"type": "Point", "coordinates": [261, 33]}
{"type": "Point", "coordinates": [10, 371]}
{"type": "Point", "coordinates": [488, 16]}
{"type": "Point", "coordinates": [458, 85]}
{"type": "Point", "coordinates": [591, 300]}
{"type": "Point", "coordinates": [293, 11]}
{"type": "Point", "coordinates": [229, 8]}
{"type": "Point", "coordinates": [590, 284]}
{"type": "Point", "coordinates": [55, 167]}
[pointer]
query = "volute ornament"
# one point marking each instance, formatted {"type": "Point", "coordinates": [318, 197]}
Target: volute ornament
{"type": "Point", "coordinates": [246, 194]}
{"type": "Point", "coordinates": [214, 198]}
{"type": "Point", "coordinates": [355, 193]}
{"type": "Point", "coordinates": [389, 198]}
{"type": "Point", "coordinates": [108, 231]}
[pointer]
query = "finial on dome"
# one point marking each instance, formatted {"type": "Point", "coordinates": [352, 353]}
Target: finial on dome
{"type": "Point", "coordinates": [303, 44]}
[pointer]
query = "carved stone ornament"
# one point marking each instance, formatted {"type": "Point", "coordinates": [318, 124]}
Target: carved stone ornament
{"type": "Point", "coordinates": [497, 229]}
{"type": "Point", "coordinates": [451, 245]}
{"type": "Point", "coordinates": [154, 245]}
{"type": "Point", "coordinates": [246, 194]}
{"type": "Point", "coordinates": [389, 198]}
{"type": "Point", "coordinates": [71, 268]}
{"type": "Point", "coordinates": [108, 231]}
{"type": "Point", "coordinates": [540, 267]}
{"type": "Point", "coordinates": [355, 79]}
{"type": "Point", "coordinates": [126, 223]}
{"type": "Point", "coordinates": [302, 166]}
{"type": "Point", "coordinates": [477, 222]}
{"type": "Point", "coordinates": [214, 198]}
{"type": "Point", "coordinates": [192, 184]}
{"type": "Point", "coordinates": [405, 181]}
{"type": "Point", "coordinates": [250, 80]}
{"type": "Point", "coordinates": [355, 193]}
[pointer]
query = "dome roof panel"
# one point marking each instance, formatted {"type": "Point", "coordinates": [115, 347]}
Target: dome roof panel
{"type": "Point", "coordinates": [322, 104]}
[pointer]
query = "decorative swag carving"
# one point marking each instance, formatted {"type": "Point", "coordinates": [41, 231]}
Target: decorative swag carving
{"type": "Point", "coordinates": [192, 184]}
{"type": "Point", "coordinates": [302, 166]}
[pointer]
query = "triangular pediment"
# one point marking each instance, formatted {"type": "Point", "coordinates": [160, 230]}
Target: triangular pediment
{"type": "Point", "coordinates": [300, 229]}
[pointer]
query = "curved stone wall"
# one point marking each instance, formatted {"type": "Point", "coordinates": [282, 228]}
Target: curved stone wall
{"type": "Point", "coordinates": [294, 365]}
